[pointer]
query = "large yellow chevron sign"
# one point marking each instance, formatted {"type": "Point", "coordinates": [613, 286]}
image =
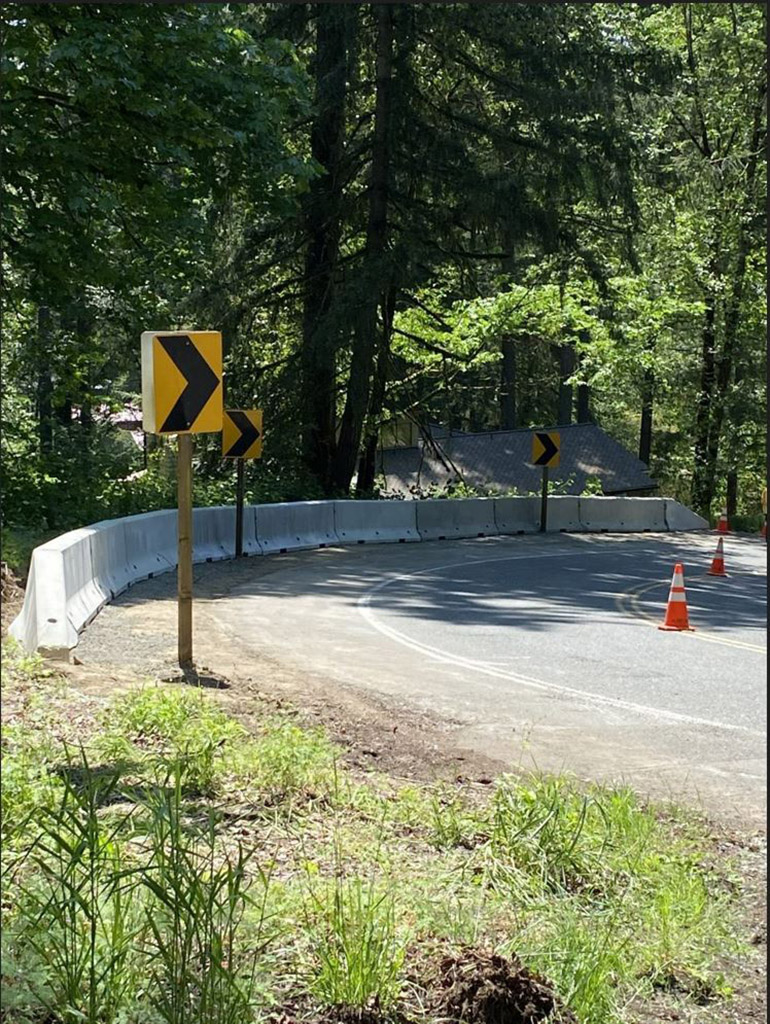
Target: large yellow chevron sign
{"type": "Point", "coordinates": [181, 382]}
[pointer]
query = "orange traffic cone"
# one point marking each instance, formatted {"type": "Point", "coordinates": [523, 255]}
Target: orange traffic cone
{"type": "Point", "coordinates": [676, 610]}
{"type": "Point", "coordinates": [718, 561]}
{"type": "Point", "coordinates": [722, 526]}
{"type": "Point", "coordinates": [763, 531]}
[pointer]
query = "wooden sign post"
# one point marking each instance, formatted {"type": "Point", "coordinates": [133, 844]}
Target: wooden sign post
{"type": "Point", "coordinates": [182, 395]}
{"type": "Point", "coordinates": [184, 550]}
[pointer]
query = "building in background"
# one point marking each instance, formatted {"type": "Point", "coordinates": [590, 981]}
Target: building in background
{"type": "Point", "coordinates": [499, 461]}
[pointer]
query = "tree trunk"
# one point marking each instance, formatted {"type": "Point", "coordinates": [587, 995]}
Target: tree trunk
{"type": "Point", "coordinates": [731, 504]}
{"type": "Point", "coordinates": [376, 278]}
{"type": "Point", "coordinates": [701, 485]}
{"type": "Point", "coordinates": [44, 382]}
{"type": "Point", "coordinates": [566, 355]}
{"type": "Point", "coordinates": [323, 229]}
{"type": "Point", "coordinates": [645, 425]}
{"type": "Point", "coordinates": [584, 404]}
{"type": "Point", "coordinates": [733, 304]}
{"type": "Point", "coordinates": [508, 384]}
{"type": "Point", "coordinates": [584, 390]}
{"type": "Point", "coordinates": [367, 465]}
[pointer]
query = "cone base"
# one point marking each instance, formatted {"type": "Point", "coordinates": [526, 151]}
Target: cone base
{"type": "Point", "coordinates": [678, 629]}
{"type": "Point", "coordinates": [715, 572]}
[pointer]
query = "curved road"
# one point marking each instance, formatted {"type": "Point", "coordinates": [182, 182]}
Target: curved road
{"type": "Point", "coordinates": [541, 651]}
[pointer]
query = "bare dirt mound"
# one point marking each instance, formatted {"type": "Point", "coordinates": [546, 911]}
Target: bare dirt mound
{"type": "Point", "coordinates": [476, 987]}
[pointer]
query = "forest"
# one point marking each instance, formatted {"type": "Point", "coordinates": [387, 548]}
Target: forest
{"type": "Point", "coordinates": [483, 216]}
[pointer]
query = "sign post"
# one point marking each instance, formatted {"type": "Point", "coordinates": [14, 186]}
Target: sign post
{"type": "Point", "coordinates": [546, 453]}
{"type": "Point", "coordinates": [544, 501]}
{"type": "Point", "coordinates": [241, 439]}
{"type": "Point", "coordinates": [184, 550]}
{"type": "Point", "coordinates": [182, 395]}
{"type": "Point", "coordinates": [239, 508]}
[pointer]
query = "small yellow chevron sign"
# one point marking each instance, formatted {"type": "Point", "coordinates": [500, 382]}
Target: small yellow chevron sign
{"type": "Point", "coordinates": [545, 449]}
{"type": "Point", "coordinates": [181, 382]}
{"type": "Point", "coordinates": [242, 434]}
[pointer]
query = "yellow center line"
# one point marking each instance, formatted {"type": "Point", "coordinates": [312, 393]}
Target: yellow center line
{"type": "Point", "coordinates": [629, 603]}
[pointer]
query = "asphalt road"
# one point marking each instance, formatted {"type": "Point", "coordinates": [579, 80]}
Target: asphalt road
{"type": "Point", "coordinates": [541, 652]}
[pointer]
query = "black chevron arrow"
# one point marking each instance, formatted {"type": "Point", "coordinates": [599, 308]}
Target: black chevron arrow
{"type": "Point", "coordinates": [249, 434]}
{"type": "Point", "coordinates": [201, 382]}
{"type": "Point", "coordinates": [550, 449]}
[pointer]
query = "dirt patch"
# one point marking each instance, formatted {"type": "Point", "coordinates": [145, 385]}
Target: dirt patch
{"type": "Point", "coordinates": [305, 1014]}
{"type": "Point", "coordinates": [477, 987]}
{"type": "Point", "coordinates": [12, 595]}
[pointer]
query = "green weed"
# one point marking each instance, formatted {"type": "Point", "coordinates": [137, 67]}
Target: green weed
{"type": "Point", "coordinates": [77, 917]}
{"type": "Point", "coordinates": [29, 787]}
{"type": "Point", "coordinates": [158, 728]}
{"type": "Point", "coordinates": [359, 954]}
{"type": "Point", "coordinates": [286, 764]}
{"type": "Point", "coordinates": [198, 968]}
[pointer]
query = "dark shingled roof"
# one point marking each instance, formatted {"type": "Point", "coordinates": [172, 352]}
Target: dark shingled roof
{"type": "Point", "coordinates": [500, 461]}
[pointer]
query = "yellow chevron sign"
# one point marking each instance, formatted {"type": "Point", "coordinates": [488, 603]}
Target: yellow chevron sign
{"type": "Point", "coordinates": [545, 449]}
{"type": "Point", "coordinates": [181, 382]}
{"type": "Point", "coordinates": [242, 434]}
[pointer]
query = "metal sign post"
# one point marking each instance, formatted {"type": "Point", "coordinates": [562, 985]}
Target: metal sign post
{"type": "Point", "coordinates": [241, 439]}
{"type": "Point", "coordinates": [239, 509]}
{"type": "Point", "coordinates": [546, 448]}
{"type": "Point", "coordinates": [544, 501]}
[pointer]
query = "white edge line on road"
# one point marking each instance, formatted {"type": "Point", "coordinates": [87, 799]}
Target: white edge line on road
{"type": "Point", "coordinates": [365, 609]}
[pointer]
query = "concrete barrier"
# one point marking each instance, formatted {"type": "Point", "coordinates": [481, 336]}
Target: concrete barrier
{"type": "Point", "coordinates": [679, 517]}
{"type": "Point", "coordinates": [73, 576]}
{"type": "Point", "coordinates": [375, 522]}
{"type": "Point", "coordinates": [563, 513]}
{"type": "Point", "coordinates": [251, 545]}
{"type": "Point", "coordinates": [62, 595]}
{"type": "Point", "coordinates": [517, 515]}
{"type": "Point", "coordinates": [214, 533]}
{"type": "Point", "coordinates": [151, 543]}
{"type": "Point", "coordinates": [452, 518]}
{"type": "Point", "coordinates": [109, 556]}
{"type": "Point", "coordinates": [637, 515]}
{"type": "Point", "coordinates": [294, 525]}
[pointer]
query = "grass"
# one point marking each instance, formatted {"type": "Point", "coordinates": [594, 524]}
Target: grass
{"type": "Point", "coordinates": [174, 867]}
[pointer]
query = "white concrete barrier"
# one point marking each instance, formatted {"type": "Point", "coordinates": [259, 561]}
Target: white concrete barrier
{"type": "Point", "coordinates": [62, 595]}
{"type": "Point", "coordinates": [214, 533]}
{"type": "Point", "coordinates": [517, 515]}
{"type": "Point", "coordinates": [679, 517]}
{"type": "Point", "coordinates": [294, 525]}
{"type": "Point", "coordinates": [251, 545]}
{"type": "Point", "coordinates": [563, 513]}
{"type": "Point", "coordinates": [151, 543]}
{"type": "Point", "coordinates": [109, 556]}
{"type": "Point", "coordinates": [608, 514]}
{"type": "Point", "coordinates": [375, 522]}
{"type": "Point", "coordinates": [73, 576]}
{"type": "Point", "coordinates": [451, 518]}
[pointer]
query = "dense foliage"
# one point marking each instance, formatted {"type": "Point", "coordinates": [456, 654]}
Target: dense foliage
{"type": "Point", "coordinates": [480, 215]}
